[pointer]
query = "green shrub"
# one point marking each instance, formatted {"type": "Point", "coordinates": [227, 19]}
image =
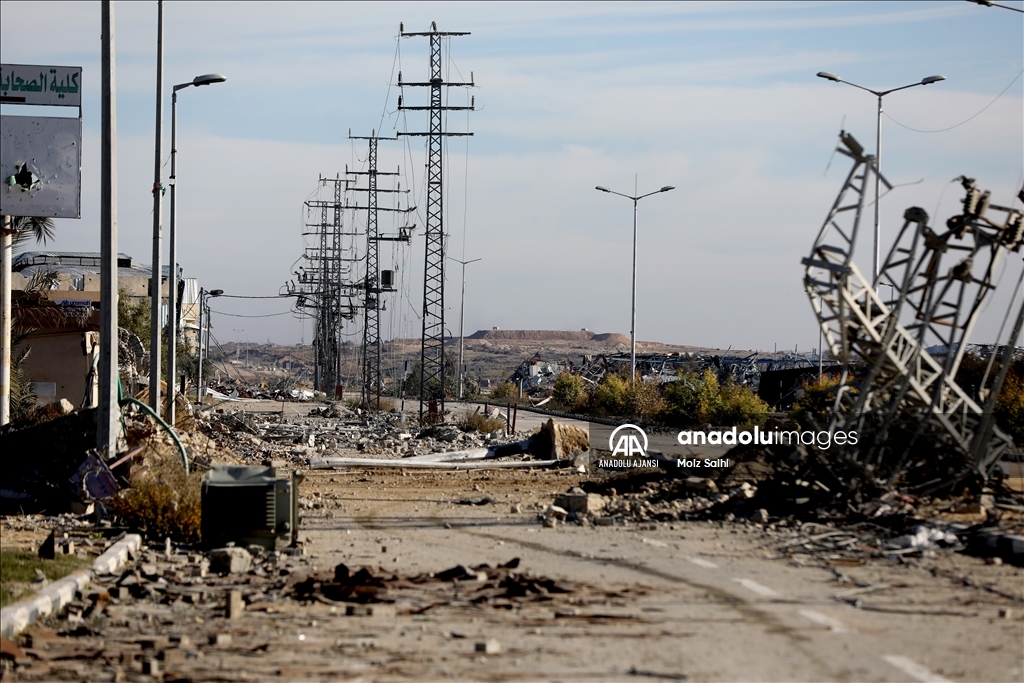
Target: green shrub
{"type": "Point", "coordinates": [692, 399]}
{"type": "Point", "coordinates": [814, 408]}
{"type": "Point", "coordinates": [611, 396]}
{"type": "Point", "coordinates": [570, 390]}
{"type": "Point", "coordinates": [741, 407]}
{"type": "Point", "coordinates": [505, 390]}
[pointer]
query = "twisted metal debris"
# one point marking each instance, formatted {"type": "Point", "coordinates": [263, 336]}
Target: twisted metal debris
{"type": "Point", "coordinates": [940, 280]}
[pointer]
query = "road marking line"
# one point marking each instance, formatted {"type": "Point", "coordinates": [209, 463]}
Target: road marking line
{"type": "Point", "coordinates": [702, 563]}
{"type": "Point", "coordinates": [656, 544]}
{"type": "Point", "coordinates": [754, 586]}
{"type": "Point", "coordinates": [833, 625]}
{"type": "Point", "coordinates": [914, 670]}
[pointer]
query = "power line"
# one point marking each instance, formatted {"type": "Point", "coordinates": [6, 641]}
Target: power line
{"type": "Point", "coordinates": [235, 315]}
{"type": "Point", "coordinates": [943, 130]}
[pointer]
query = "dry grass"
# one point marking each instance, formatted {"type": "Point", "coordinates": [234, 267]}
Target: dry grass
{"type": "Point", "coordinates": [162, 500]}
{"type": "Point", "coordinates": [476, 421]}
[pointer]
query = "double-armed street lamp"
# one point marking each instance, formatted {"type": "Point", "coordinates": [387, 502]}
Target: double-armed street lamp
{"type": "Point", "coordinates": [876, 258]}
{"type": "Point", "coordinates": [172, 280]}
{"type": "Point", "coordinates": [632, 324]}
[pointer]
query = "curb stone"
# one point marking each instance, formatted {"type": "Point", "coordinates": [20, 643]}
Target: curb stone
{"type": "Point", "coordinates": [15, 618]}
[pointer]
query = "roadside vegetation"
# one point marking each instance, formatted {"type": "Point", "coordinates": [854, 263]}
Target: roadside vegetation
{"type": "Point", "coordinates": [18, 571]}
{"type": "Point", "coordinates": [162, 501]}
{"type": "Point", "coordinates": [695, 398]}
{"type": "Point", "coordinates": [478, 422]}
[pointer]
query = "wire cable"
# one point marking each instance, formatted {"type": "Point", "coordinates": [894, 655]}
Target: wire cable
{"type": "Point", "coordinates": [235, 315]}
{"type": "Point", "coordinates": [943, 130]}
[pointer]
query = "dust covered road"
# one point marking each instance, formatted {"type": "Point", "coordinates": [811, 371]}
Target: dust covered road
{"type": "Point", "coordinates": [702, 600]}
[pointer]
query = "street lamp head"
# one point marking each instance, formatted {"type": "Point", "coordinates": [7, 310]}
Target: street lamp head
{"type": "Point", "coordinates": [215, 292]}
{"type": "Point", "coordinates": [829, 75]}
{"type": "Point", "coordinates": [667, 188]}
{"type": "Point", "coordinates": [932, 79]}
{"type": "Point", "coordinates": [207, 79]}
{"type": "Point", "coordinates": [603, 189]}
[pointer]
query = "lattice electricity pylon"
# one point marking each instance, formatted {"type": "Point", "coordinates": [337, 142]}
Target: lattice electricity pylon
{"type": "Point", "coordinates": [373, 286]}
{"type": "Point", "coordinates": [432, 370]}
{"type": "Point", "coordinates": [941, 303]}
{"type": "Point", "coordinates": [321, 287]}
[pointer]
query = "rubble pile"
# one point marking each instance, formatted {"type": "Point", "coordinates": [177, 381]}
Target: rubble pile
{"type": "Point", "coordinates": [183, 615]}
{"type": "Point", "coordinates": [801, 491]}
{"type": "Point", "coordinates": [500, 587]}
{"type": "Point", "coordinates": [333, 429]}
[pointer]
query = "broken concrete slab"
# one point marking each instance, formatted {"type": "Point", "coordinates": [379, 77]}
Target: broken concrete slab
{"type": "Point", "coordinates": [230, 560]}
{"type": "Point", "coordinates": [581, 503]}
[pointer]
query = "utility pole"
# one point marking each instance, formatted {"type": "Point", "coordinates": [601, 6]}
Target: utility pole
{"type": "Point", "coordinates": [373, 284]}
{"type": "Point", "coordinates": [462, 319]}
{"type": "Point", "coordinates": [6, 318]}
{"type": "Point", "coordinates": [432, 342]}
{"type": "Point", "coordinates": [109, 413]}
{"type": "Point", "coordinates": [323, 281]}
{"type": "Point", "coordinates": [156, 300]}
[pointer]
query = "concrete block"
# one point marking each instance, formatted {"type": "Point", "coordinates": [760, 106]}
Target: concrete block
{"type": "Point", "coordinates": [230, 560]}
{"type": "Point", "coordinates": [235, 606]}
{"type": "Point", "coordinates": [581, 503]}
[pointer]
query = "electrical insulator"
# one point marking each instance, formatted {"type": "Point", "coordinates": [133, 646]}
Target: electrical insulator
{"type": "Point", "coordinates": [852, 144]}
{"type": "Point", "coordinates": [971, 200]}
{"type": "Point", "coordinates": [986, 199]}
{"type": "Point", "coordinates": [1014, 232]}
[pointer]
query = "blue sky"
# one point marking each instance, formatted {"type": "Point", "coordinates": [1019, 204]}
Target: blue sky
{"type": "Point", "coordinates": [718, 99]}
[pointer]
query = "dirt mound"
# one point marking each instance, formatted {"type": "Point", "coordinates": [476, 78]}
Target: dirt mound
{"type": "Point", "coordinates": [611, 339]}
{"type": "Point", "coordinates": [538, 335]}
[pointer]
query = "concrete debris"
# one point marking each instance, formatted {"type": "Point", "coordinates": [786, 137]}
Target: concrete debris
{"type": "Point", "coordinates": [580, 502]}
{"type": "Point", "coordinates": [555, 442]}
{"type": "Point", "coordinates": [230, 560]}
{"type": "Point", "coordinates": [924, 538]}
{"type": "Point", "coordinates": [488, 647]}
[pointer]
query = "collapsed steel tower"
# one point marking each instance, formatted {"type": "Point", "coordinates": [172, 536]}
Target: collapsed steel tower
{"type": "Point", "coordinates": [939, 280]}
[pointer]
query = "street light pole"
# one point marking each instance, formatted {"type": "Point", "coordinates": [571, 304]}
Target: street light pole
{"type": "Point", "coordinates": [172, 279]}
{"type": "Point", "coordinates": [155, 300]}
{"type": "Point", "coordinates": [204, 308]}
{"type": "Point", "coordinates": [877, 253]}
{"type": "Point", "coordinates": [462, 318]}
{"type": "Point", "coordinates": [632, 324]}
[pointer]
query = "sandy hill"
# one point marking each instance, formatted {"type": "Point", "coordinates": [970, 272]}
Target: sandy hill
{"type": "Point", "coordinates": [578, 336]}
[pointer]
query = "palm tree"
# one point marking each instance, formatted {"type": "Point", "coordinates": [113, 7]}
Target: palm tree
{"type": "Point", "coordinates": [25, 227]}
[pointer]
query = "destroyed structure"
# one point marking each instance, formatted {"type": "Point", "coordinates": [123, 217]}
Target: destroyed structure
{"type": "Point", "coordinates": [776, 378]}
{"type": "Point", "coordinates": [902, 400]}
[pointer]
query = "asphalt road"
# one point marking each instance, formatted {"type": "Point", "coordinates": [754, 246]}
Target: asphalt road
{"type": "Point", "coordinates": [711, 602]}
